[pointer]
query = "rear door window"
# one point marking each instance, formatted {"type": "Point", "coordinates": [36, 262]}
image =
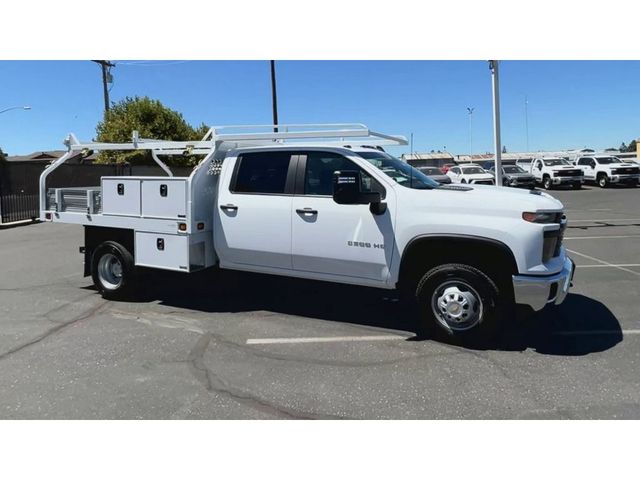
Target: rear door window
{"type": "Point", "coordinates": [262, 173]}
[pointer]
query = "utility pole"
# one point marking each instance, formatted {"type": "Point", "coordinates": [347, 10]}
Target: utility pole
{"type": "Point", "coordinates": [470, 113]}
{"type": "Point", "coordinates": [274, 97]}
{"type": "Point", "coordinates": [493, 66]}
{"type": "Point", "coordinates": [106, 78]}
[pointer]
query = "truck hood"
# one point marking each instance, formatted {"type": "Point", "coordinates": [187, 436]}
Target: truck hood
{"type": "Point", "coordinates": [483, 199]}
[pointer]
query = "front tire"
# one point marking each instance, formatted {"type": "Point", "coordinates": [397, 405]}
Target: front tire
{"type": "Point", "coordinates": [577, 186]}
{"type": "Point", "coordinates": [459, 303]}
{"type": "Point", "coordinates": [547, 183]}
{"type": "Point", "coordinates": [603, 180]}
{"type": "Point", "coordinates": [112, 270]}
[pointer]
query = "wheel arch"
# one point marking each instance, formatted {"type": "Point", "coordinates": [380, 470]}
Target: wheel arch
{"type": "Point", "coordinates": [94, 236]}
{"type": "Point", "coordinates": [426, 251]}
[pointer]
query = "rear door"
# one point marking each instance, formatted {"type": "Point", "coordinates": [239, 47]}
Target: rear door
{"type": "Point", "coordinates": [253, 212]}
{"type": "Point", "coordinates": [339, 240]}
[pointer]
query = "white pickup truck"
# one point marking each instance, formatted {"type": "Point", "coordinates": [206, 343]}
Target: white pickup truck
{"type": "Point", "coordinates": [554, 171]}
{"type": "Point", "coordinates": [309, 202]}
{"type": "Point", "coordinates": [607, 169]}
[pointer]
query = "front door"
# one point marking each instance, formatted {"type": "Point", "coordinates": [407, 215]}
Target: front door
{"type": "Point", "coordinates": [253, 212]}
{"type": "Point", "coordinates": [340, 240]}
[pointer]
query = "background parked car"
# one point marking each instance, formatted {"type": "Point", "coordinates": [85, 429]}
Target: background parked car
{"type": "Point", "coordinates": [515, 176]}
{"type": "Point", "coordinates": [436, 174]}
{"type": "Point", "coordinates": [470, 173]}
{"type": "Point", "coordinates": [445, 168]}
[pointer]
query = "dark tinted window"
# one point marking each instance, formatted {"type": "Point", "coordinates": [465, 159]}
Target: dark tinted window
{"type": "Point", "coordinates": [318, 177]}
{"type": "Point", "coordinates": [262, 172]}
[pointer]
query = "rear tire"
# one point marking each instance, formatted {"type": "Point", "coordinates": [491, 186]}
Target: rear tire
{"type": "Point", "coordinates": [112, 270]}
{"type": "Point", "coordinates": [459, 304]}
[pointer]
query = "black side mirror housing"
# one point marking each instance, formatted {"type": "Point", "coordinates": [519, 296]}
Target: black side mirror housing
{"type": "Point", "coordinates": [346, 191]}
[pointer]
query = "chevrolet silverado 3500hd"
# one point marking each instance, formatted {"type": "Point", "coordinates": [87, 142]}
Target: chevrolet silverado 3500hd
{"type": "Point", "coordinates": [322, 202]}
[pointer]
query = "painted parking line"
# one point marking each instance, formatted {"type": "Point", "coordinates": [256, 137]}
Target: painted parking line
{"type": "Point", "coordinates": [589, 257]}
{"type": "Point", "coordinates": [362, 338]}
{"type": "Point", "coordinates": [595, 220]}
{"type": "Point", "coordinates": [596, 332]}
{"type": "Point", "coordinates": [612, 265]}
{"type": "Point", "coordinates": [602, 237]}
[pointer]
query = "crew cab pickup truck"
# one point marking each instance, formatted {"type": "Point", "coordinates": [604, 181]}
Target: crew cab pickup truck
{"type": "Point", "coordinates": [606, 169]}
{"type": "Point", "coordinates": [308, 202]}
{"type": "Point", "coordinates": [552, 171]}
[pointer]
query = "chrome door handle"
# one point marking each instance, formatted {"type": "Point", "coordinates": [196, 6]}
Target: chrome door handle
{"type": "Point", "coordinates": [307, 211]}
{"type": "Point", "coordinates": [230, 207]}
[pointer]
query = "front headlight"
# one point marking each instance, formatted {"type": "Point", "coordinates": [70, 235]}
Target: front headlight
{"type": "Point", "coordinates": [542, 217]}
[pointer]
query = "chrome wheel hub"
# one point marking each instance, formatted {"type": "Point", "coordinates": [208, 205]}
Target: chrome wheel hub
{"type": "Point", "coordinates": [456, 305]}
{"type": "Point", "coordinates": [110, 271]}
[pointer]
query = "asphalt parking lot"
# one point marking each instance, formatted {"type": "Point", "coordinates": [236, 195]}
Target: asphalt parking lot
{"type": "Point", "coordinates": [248, 346]}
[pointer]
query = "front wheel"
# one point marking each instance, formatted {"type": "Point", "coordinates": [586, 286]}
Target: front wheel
{"type": "Point", "coordinates": [112, 270]}
{"type": "Point", "coordinates": [577, 186]}
{"type": "Point", "coordinates": [547, 183]}
{"type": "Point", "coordinates": [460, 302]}
{"type": "Point", "coordinates": [603, 181]}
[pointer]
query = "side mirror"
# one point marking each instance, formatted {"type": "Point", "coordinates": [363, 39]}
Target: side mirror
{"type": "Point", "coordinates": [346, 191]}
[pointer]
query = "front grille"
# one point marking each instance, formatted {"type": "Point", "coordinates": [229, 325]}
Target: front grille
{"type": "Point", "coordinates": [628, 170]}
{"type": "Point", "coordinates": [483, 182]}
{"type": "Point", "coordinates": [567, 173]}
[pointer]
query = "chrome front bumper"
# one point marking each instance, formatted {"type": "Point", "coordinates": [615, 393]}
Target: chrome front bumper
{"type": "Point", "coordinates": [539, 291]}
{"type": "Point", "coordinates": [563, 180]}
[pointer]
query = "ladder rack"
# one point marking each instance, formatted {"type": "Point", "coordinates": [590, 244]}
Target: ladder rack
{"type": "Point", "coordinates": [236, 136]}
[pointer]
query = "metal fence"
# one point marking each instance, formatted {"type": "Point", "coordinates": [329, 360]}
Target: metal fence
{"type": "Point", "coordinates": [19, 183]}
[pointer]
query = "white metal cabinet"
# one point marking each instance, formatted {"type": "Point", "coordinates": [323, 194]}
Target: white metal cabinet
{"type": "Point", "coordinates": [166, 198]}
{"type": "Point", "coordinates": [160, 250]}
{"type": "Point", "coordinates": [120, 196]}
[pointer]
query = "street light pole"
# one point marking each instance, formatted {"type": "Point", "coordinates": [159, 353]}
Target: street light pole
{"type": "Point", "coordinates": [493, 66]}
{"type": "Point", "coordinates": [526, 119]}
{"type": "Point", "coordinates": [25, 107]}
{"type": "Point", "coordinates": [470, 113]}
{"type": "Point", "coordinates": [274, 97]}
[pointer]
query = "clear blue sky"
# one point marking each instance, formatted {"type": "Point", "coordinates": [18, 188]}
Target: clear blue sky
{"type": "Point", "coordinates": [570, 104]}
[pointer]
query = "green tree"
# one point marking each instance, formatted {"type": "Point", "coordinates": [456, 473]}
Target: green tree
{"type": "Point", "coordinates": [3, 156]}
{"type": "Point", "coordinates": [623, 147]}
{"type": "Point", "coordinates": [152, 120]}
{"type": "Point", "coordinates": [504, 149]}
{"type": "Point", "coordinates": [632, 146]}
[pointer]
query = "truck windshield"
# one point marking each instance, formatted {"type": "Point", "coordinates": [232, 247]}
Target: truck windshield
{"type": "Point", "coordinates": [552, 162]}
{"type": "Point", "coordinates": [512, 169]}
{"type": "Point", "coordinates": [608, 160]}
{"type": "Point", "coordinates": [401, 172]}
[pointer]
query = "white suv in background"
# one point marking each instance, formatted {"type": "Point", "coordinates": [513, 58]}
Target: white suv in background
{"type": "Point", "coordinates": [606, 169]}
{"type": "Point", "coordinates": [470, 173]}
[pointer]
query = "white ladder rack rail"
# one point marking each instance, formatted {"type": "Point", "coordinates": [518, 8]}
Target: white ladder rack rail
{"type": "Point", "coordinates": [332, 134]}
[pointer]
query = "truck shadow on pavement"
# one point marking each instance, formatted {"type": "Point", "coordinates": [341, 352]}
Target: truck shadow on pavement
{"type": "Point", "coordinates": [581, 325]}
